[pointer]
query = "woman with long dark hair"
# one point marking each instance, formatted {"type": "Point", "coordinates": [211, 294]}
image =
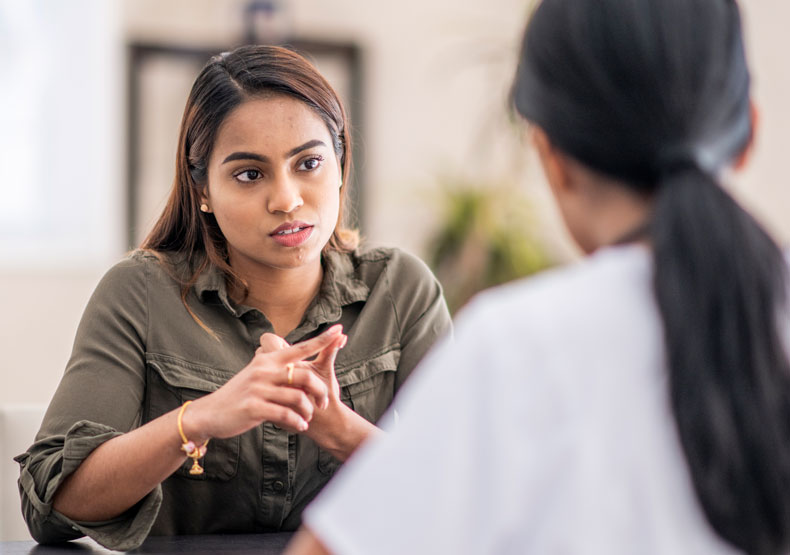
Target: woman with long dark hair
{"type": "Point", "coordinates": [207, 391]}
{"type": "Point", "coordinates": [638, 402]}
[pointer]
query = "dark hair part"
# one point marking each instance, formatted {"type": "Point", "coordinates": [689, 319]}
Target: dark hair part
{"type": "Point", "coordinates": [226, 81]}
{"type": "Point", "coordinates": [656, 94]}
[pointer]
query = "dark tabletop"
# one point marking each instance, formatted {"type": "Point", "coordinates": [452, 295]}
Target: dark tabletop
{"type": "Point", "coordinates": [259, 544]}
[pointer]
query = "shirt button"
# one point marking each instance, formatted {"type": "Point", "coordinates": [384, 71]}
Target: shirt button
{"type": "Point", "coordinates": [278, 486]}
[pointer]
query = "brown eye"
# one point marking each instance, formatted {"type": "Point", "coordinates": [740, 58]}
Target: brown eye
{"type": "Point", "coordinates": [248, 175]}
{"type": "Point", "coordinates": [311, 164]}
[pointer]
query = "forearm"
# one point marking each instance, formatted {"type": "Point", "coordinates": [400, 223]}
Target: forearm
{"type": "Point", "coordinates": [122, 471]}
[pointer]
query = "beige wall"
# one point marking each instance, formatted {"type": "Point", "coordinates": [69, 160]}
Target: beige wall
{"type": "Point", "coordinates": [437, 74]}
{"type": "Point", "coordinates": [765, 185]}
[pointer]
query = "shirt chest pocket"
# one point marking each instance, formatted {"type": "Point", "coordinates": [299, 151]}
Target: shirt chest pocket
{"type": "Point", "coordinates": [170, 382]}
{"type": "Point", "coordinates": [368, 387]}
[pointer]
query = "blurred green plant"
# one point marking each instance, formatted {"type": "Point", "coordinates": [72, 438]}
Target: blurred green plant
{"type": "Point", "coordinates": [485, 237]}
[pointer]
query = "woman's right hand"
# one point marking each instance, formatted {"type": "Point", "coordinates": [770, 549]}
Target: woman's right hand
{"type": "Point", "coordinates": [260, 393]}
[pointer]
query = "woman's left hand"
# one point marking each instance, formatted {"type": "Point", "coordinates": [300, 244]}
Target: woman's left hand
{"type": "Point", "coordinates": [336, 428]}
{"type": "Point", "coordinates": [323, 365]}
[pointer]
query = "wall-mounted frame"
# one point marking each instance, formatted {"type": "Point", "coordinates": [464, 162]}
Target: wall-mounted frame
{"type": "Point", "coordinates": [159, 79]}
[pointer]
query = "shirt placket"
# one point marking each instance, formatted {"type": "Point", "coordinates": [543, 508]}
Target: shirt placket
{"type": "Point", "coordinates": [276, 484]}
{"type": "Point", "coordinates": [278, 456]}
{"type": "Point", "coordinates": [279, 448]}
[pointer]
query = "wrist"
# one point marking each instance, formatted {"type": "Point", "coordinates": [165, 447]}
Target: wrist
{"type": "Point", "coordinates": [193, 425]}
{"type": "Point", "coordinates": [343, 431]}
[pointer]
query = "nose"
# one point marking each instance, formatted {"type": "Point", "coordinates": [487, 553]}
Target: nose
{"type": "Point", "coordinates": [284, 196]}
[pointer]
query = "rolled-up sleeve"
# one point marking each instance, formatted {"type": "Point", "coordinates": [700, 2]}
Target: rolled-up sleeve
{"type": "Point", "coordinates": [100, 396]}
{"type": "Point", "coordinates": [44, 467]}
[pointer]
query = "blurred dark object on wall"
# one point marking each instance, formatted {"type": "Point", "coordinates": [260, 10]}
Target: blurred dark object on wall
{"type": "Point", "coordinates": [267, 22]}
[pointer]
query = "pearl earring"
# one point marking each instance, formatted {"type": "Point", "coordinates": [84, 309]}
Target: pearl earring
{"type": "Point", "coordinates": [204, 207]}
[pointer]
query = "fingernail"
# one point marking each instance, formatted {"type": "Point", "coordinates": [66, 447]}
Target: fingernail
{"type": "Point", "coordinates": [302, 426]}
{"type": "Point", "coordinates": [325, 404]}
{"type": "Point", "coordinates": [343, 343]}
{"type": "Point", "coordinates": [336, 329]}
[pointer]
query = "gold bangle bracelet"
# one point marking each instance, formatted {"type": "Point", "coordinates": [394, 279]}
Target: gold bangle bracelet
{"type": "Point", "coordinates": [192, 451]}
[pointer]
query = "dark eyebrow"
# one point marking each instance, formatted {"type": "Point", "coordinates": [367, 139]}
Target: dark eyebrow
{"type": "Point", "coordinates": [260, 158]}
{"type": "Point", "coordinates": [308, 144]}
{"type": "Point", "coordinates": [245, 156]}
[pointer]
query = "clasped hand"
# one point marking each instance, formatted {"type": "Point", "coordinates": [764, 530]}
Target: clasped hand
{"type": "Point", "coordinates": [261, 392]}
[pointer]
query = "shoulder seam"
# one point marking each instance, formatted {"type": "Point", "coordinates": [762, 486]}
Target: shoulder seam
{"type": "Point", "coordinates": [385, 271]}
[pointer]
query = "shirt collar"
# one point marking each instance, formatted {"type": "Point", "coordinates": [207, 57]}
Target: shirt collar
{"type": "Point", "coordinates": [340, 287]}
{"type": "Point", "coordinates": [211, 287]}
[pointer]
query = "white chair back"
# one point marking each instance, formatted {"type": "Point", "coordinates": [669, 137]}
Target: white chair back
{"type": "Point", "coordinates": [18, 426]}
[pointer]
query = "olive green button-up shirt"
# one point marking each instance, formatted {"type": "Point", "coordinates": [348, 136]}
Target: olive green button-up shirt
{"type": "Point", "coordinates": [139, 354]}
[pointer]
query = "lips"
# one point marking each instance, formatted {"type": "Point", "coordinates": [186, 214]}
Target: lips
{"type": "Point", "coordinates": [292, 234]}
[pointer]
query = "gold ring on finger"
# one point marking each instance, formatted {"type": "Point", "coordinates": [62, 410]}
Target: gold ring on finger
{"type": "Point", "coordinates": [290, 368]}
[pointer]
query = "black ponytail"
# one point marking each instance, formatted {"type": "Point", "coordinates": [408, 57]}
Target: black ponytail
{"type": "Point", "coordinates": [656, 94]}
{"type": "Point", "coordinates": [719, 280]}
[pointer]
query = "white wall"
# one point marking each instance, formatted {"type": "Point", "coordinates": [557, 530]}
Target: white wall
{"type": "Point", "coordinates": [61, 211]}
{"type": "Point", "coordinates": [765, 184]}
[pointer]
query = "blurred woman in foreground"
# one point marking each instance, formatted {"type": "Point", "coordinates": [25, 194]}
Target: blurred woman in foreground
{"type": "Point", "coordinates": [638, 402]}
